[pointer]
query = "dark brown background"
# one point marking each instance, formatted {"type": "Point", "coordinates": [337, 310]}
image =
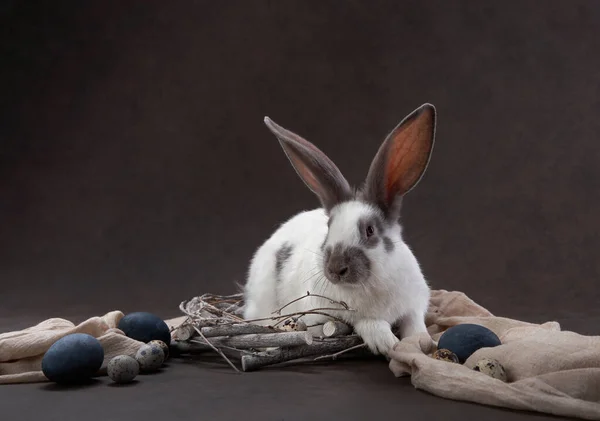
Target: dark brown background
{"type": "Point", "coordinates": [136, 171]}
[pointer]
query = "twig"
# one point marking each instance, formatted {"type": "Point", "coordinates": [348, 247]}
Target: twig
{"type": "Point", "coordinates": [251, 362]}
{"type": "Point", "coordinates": [301, 313]}
{"type": "Point", "coordinates": [183, 332]}
{"type": "Point", "coordinates": [262, 340]}
{"type": "Point", "coordinates": [334, 328]}
{"type": "Point", "coordinates": [236, 329]}
{"type": "Point", "coordinates": [308, 294]}
{"type": "Point", "coordinates": [188, 347]}
{"type": "Point", "coordinates": [198, 348]}
{"type": "Point", "coordinates": [218, 351]}
{"type": "Point", "coordinates": [337, 354]}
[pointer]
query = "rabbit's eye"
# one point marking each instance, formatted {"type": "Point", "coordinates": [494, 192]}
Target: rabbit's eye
{"type": "Point", "coordinates": [370, 231]}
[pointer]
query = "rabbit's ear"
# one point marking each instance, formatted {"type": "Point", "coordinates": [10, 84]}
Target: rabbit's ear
{"type": "Point", "coordinates": [317, 171]}
{"type": "Point", "coordinates": [401, 160]}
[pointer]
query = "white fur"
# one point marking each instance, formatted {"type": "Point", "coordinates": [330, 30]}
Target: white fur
{"type": "Point", "coordinates": [395, 292]}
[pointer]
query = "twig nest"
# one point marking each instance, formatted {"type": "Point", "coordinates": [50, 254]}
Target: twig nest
{"type": "Point", "coordinates": [150, 357]}
{"type": "Point", "coordinates": [145, 327]}
{"type": "Point", "coordinates": [72, 359]}
{"type": "Point", "coordinates": [492, 368]}
{"type": "Point", "coordinates": [293, 325]}
{"type": "Point", "coordinates": [465, 339]}
{"type": "Point", "coordinates": [123, 369]}
{"type": "Point", "coordinates": [445, 355]}
{"type": "Point", "coordinates": [162, 345]}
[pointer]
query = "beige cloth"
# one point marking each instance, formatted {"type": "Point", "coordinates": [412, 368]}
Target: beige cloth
{"type": "Point", "coordinates": [21, 352]}
{"type": "Point", "coordinates": [549, 370]}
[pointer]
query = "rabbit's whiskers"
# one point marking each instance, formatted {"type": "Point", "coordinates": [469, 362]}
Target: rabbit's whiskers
{"type": "Point", "coordinates": [314, 252]}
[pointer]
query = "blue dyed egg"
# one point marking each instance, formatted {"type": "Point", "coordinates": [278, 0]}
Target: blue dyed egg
{"type": "Point", "coordinates": [145, 327]}
{"type": "Point", "coordinates": [74, 358]}
{"type": "Point", "coordinates": [464, 339]}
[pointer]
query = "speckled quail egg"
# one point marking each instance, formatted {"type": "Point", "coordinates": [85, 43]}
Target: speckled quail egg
{"type": "Point", "coordinates": [445, 355]}
{"type": "Point", "coordinates": [123, 369]}
{"type": "Point", "coordinates": [293, 325]}
{"type": "Point", "coordinates": [150, 357]}
{"type": "Point", "coordinates": [492, 368]}
{"type": "Point", "coordinates": [162, 345]}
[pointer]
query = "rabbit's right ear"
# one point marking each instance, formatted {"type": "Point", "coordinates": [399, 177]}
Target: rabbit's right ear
{"type": "Point", "coordinates": [401, 160]}
{"type": "Point", "coordinates": [317, 171]}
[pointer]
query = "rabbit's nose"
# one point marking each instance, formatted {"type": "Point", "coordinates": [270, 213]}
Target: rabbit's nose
{"type": "Point", "coordinates": [338, 270]}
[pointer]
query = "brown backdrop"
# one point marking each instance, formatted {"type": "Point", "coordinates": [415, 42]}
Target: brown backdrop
{"type": "Point", "coordinates": [136, 169]}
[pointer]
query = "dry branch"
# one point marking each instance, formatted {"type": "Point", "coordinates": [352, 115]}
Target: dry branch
{"type": "Point", "coordinates": [252, 362]}
{"type": "Point", "coordinates": [333, 328]}
{"type": "Point", "coordinates": [188, 347]}
{"type": "Point", "coordinates": [217, 350]}
{"type": "Point", "coordinates": [262, 340]}
{"type": "Point", "coordinates": [236, 329]}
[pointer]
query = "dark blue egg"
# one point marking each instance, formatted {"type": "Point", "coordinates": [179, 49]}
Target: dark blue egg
{"type": "Point", "coordinates": [145, 327]}
{"type": "Point", "coordinates": [465, 339]}
{"type": "Point", "coordinates": [74, 358]}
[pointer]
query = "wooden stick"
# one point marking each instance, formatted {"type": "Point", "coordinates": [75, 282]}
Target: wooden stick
{"type": "Point", "coordinates": [218, 351]}
{"type": "Point", "coordinates": [183, 332]}
{"type": "Point", "coordinates": [320, 311]}
{"type": "Point", "coordinates": [251, 362]}
{"type": "Point", "coordinates": [337, 354]}
{"type": "Point", "coordinates": [263, 340]}
{"type": "Point", "coordinates": [308, 294]}
{"type": "Point", "coordinates": [186, 330]}
{"type": "Point", "coordinates": [333, 328]}
{"type": "Point", "coordinates": [187, 347]}
{"type": "Point", "coordinates": [236, 329]}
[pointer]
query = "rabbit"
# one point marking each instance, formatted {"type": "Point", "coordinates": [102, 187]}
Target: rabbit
{"type": "Point", "coordinates": [351, 248]}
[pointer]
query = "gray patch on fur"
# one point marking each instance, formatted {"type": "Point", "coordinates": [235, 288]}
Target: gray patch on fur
{"type": "Point", "coordinates": [388, 244]}
{"type": "Point", "coordinates": [281, 257]}
{"type": "Point", "coordinates": [375, 222]}
{"type": "Point", "coordinates": [328, 252]}
{"type": "Point", "coordinates": [346, 265]}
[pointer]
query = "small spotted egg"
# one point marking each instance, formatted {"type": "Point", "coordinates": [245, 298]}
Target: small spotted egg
{"type": "Point", "coordinates": [123, 369]}
{"type": "Point", "coordinates": [445, 355]}
{"type": "Point", "coordinates": [293, 325]}
{"type": "Point", "coordinates": [162, 345]}
{"type": "Point", "coordinates": [492, 368]}
{"type": "Point", "coordinates": [150, 357]}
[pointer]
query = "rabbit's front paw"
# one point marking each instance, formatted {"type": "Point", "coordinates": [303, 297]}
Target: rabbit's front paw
{"type": "Point", "coordinates": [377, 335]}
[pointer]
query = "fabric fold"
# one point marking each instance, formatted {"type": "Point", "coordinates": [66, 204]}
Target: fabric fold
{"type": "Point", "coordinates": [549, 370]}
{"type": "Point", "coordinates": [21, 352]}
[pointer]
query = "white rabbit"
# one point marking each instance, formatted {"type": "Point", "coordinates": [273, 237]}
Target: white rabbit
{"type": "Point", "coordinates": [351, 249]}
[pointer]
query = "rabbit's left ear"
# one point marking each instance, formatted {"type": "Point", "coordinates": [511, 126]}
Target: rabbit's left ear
{"type": "Point", "coordinates": [401, 160]}
{"type": "Point", "coordinates": [317, 171]}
